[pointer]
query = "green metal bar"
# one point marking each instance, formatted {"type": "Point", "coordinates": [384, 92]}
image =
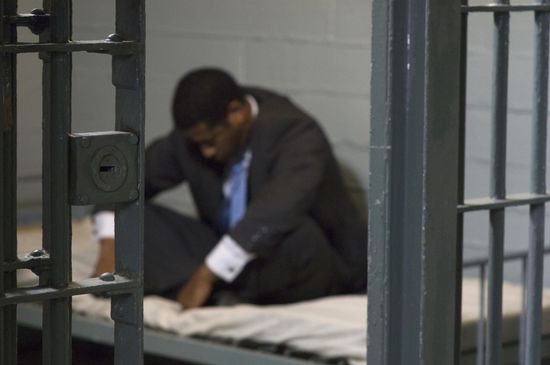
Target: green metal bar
{"type": "Point", "coordinates": [30, 263]}
{"type": "Point", "coordinates": [535, 263]}
{"type": "Point", "coordinates": [461, 179]}
{"type": "Point", "coordinates": [109, 47]}
{"type": "Point", "coordinates": [414, 144]}
{"type": "Point", "coordinates": [512, 200]}
{"type": "Point", "coordinates": [120, 285]}
{"type": "Point", "coordinates": [505, 8]}
{"type": "Point", "coordinates": [8, 173]}
{"type": "Point", "coordinates": [497, 186]}
{"type": "Point", "coordinates": [56, 209]}
{"type": "Point", "coordinates": [129, 80]}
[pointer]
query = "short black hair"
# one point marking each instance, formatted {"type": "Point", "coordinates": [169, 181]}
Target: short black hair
{"type": "Point", "coordinates": [204, 95]}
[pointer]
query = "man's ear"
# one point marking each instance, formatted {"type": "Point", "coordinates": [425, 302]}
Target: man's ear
{"type": "Point", "coordinates": [235, 106]}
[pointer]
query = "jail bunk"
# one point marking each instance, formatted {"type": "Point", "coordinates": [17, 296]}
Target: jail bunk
{"type": "Point", "coordinates": [324, 331]}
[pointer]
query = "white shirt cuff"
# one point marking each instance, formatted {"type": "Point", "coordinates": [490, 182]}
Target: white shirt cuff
{"type": "Point", "coordinates": [227, 259]}
{"type": "Point", "coordinates": [104, 225]}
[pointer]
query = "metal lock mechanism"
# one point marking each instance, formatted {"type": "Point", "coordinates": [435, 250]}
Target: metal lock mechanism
{"type": "Point", "coordinates": [103, 167]}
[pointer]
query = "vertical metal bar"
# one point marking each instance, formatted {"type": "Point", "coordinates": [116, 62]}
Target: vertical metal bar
{"type": "Point", "coordinates": [461, 179]}
{"type": "Point", "coordinates": [8, 172]}
{"type": "Point", "coordinates": [481, 324]}
{"type": "Point", "coordinates": [414, 144]}
{"type": "Point", "coordinates": [56, 207]}
{"type": "Point", "coordinates": [535, 263]}
{"type": "Point", "coordinates": [522, 319]}
{"type": "Point", "coordinates": [497, 186]}
{"type": "Point", "coordinates": [129, 80]}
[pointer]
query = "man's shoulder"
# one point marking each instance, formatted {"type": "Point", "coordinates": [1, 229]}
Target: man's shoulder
{"type": "Point", "coordinates": [263, 95]}
{"type": "Point", "coordinates": [275, 107]}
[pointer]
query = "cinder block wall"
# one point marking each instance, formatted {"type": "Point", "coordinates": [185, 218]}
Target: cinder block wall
{"type": "Point", "coordinates": [316, 51]}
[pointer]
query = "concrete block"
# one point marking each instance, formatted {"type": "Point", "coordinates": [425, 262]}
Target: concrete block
{"type": "Point", "coordinates": [479, 136]}
{"type": "Point", "coordinates": [355, 162]}
{"type": "Point", "coordinates": [479, 79]}
{"type": "Point", "coordinates": [343, 118]}
{"type": "Point", "coordinates": [97, 17]}
{"type": "Point", "coordinates": [251, 18]}
{"type": "Point", "coordinates": [522, 33]}
{"type": "Point", "coordinates": [476, 178]}
{"type": "Point", "coordinates": [352, 20]}
{"type": "Point", "coordinates": [158, 117]}
{"type": "Point", "coordinates": [480, 31]}
{"type": "Point", "coordinates": [29, 115]}
{"type": "Point", "coordinates": [29, 192]}
{"type": "Point", "coordinates": [305, 66]}
{"type": "Point", "coordinates": [93, 100]}
{"type": "Point", "coordinates": [521, 83]}
{"type": "Point", "coordinates": [175, 56]}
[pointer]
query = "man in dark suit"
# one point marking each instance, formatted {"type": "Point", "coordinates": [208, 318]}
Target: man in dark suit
{"type": "Point", "coordinates": [275, 224]}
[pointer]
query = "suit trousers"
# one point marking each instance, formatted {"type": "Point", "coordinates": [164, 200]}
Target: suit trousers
{"type": "Point", "coordinates": [302, 266]}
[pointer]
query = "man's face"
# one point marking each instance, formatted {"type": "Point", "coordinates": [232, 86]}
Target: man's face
{"type": "Point", "coordinates": [225, 138]}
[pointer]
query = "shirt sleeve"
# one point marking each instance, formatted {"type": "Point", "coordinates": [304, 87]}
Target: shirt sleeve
{"type": "Point", "coordinates": [227, 259]}
{"type": "Point", "coordinates": [104, 225]}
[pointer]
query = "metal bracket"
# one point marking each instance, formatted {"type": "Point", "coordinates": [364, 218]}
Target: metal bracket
{"type": "Point", "coordinates": [103, 167]}
{"type": "Point", "coordinates": [37, 21]}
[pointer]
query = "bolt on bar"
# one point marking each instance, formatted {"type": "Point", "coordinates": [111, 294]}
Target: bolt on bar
{"type": "Point", "coordinates": [8, 130]}
{"type": "Point", "coordinates": [497, 186]}
{"type": "Point", "coordinates": [535, 264]}
{"type": "Point", "coordinates": [56, 333]}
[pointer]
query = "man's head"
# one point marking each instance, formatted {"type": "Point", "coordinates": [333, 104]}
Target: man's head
{"type": "Point", "coordinates": [211, 110]}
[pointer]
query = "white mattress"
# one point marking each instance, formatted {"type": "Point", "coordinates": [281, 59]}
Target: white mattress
{"type": "Point", "coordinates": [332, 326]}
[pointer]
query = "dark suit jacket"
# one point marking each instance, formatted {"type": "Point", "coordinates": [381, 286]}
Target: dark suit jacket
{"type": "Point", "coordinates": [293, 176]}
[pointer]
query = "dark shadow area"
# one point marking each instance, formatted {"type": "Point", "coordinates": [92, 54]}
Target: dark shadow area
{"type": "Point", "coordinates": [84, 352]}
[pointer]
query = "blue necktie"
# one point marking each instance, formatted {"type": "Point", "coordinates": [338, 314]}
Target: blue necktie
{"type": "Point", "coordinates": [234, 206]}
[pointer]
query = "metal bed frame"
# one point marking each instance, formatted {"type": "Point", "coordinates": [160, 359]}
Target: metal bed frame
{"type": "Point", "coordinates": [157, 342]}
{"type": "Point", "coordinates": [512, 352]}
{"type": "Point", "coordinates": [162, 343]}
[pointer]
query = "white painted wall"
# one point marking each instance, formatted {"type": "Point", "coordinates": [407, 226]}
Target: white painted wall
{"type": "Point", "coordinates": [316, 51]}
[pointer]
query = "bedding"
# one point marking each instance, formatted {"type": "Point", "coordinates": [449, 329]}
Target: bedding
{"type": "Point", "coordinates": [333, 327]}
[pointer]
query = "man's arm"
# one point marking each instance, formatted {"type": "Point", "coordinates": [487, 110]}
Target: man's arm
{"type": "Point", "coordinates": [162, 171]}
{"type": "Point", "coordinates": [198, 288]}
{"type": "Point", "coordinates": [282, 203]}
{"type": "Point", "coordinates": [104, 233]}
{"type": "Point", "coordinates": [280, 206]}
{"type": "Point", "coordinates": [224, 262]}
{"type": "Point", "coordinates": [106, 258]}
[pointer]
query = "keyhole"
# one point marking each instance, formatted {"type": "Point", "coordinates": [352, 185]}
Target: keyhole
{"type": "Point", "coordinates": [107, 169]}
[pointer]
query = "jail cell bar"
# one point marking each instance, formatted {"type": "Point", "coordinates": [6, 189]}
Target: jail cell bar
{"type": "Point", "coordinates": [55, 47]}
{"type": "Point", "coordinates": [8, 128]}
{"type": "Point", "coordinates": [414, 187]}
{"type": "Point", "coordinates": [489, 340]}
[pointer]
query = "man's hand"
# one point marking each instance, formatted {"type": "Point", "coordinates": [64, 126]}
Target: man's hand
{"type": "Point", "coordinates": [197, 290]}
{"type": "Point", "coordinates": [106, 259]}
